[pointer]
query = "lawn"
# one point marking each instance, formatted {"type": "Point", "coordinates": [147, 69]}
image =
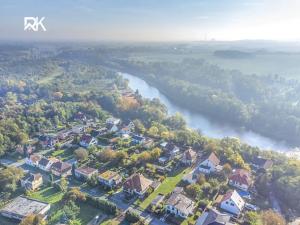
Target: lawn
{"type": "Point", "coordinates": [49, 194]}
{"type": "Point", "coordinates": [87, 213]}
{"type": "Point", "coordinates": [63, 154]}
{"type": "Point", "coordinates": [165, 188]}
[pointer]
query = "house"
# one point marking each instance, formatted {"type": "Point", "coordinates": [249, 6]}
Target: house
{"type": "Point", "coordinates": [60, 168]}
{"type": "Point", "coordinates": [214, 217]}
{"type": "Point", "coordinates": [87, 141]}
{"type": "Point", "coordinates": [33, 160]}
{"type": "Point", "coordinates": [85, 172]}
{"type": "Point", "coordinates": [26, 149]}
{"type": "Point", "coordinates": [232, 202]}
{"type": "Point", "coordinates": [32, 181]}
{"type": "Point", "coordinates": [157, 200]}
{"type": "Point", "coordinates": [210, 164]}
{"type": "Point", "coordinates": [110, 179]}
{"type": "Point", "coordinates": [112, 128]}
{"type": "Point", "coordinates": [137, 184]}
{"type": "Point", "coordinates": [171, 150]}
{"type": "Point", "coordinates": [80, 116]}
{"type": "Point", "coordinates": [241, 179]}
{"type": "Point", "coordinates": [79, 129]}
{"type": "Point", "coordinates": [163, 160]}
{"type": "Point", "coordinates": [113, 121]}
{"type": "Point", "coordinates": [262, 163]}
{"type": "Point", "coordinates": [190, 177]}
{"type": "Point", "coordinates": [64, 134]}
{"type": "Point", "coordinates": [189, 157]}
{"type": "Point", "coordinates": [48, 141]}
{"type": "Point", "coordinates": [148, 143]}
{"type": "Point", "coordinates": [180, 205]}
{"type": "Point", "coordinates": [45, 164]}
{"type": "Point", "coordinates": [138, 139]}
{"type": "Point", "coordinates": [21, 207]}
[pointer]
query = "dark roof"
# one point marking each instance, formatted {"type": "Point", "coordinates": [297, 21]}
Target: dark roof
{"type": "Point", "coordinates": [170, 146]}
{"type": "Point", "coordinates": [61, 166]}
{"type": "Point", "coordinates": [86, 138]}
{"type": "Point", "coordinates": [44, 162]}
{"type": "Point", "coordinates": [29, 177]}
{"type": "Point", "coordinates": [86, 170]}
{"type": "Point", "coordinates": [262, 162]}
{"type": "Point", "coordinates": [190, 154]}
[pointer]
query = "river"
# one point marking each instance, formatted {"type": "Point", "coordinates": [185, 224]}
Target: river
{"type": "Point", "coordinates": [208, 127]}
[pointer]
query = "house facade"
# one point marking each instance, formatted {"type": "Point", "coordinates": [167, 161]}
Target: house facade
{"type": "Point", "coordinates": [210, 164]}
{"type": "Point", "coordinates": [240, 179]}
{"type": "Point", "coordinates": [189, 157]}
{"type": "Point", "coordinates": [33, 160]}
{"type": "Point", "coordinates": [87, 141]}
{"type": "Point", "coordinates": [232, 202]}
{"type": "Point", "coordinates": [61, 169]}
{"type": "Point", "coordinates": [180, 205]}
{"type": "Point", "coordinates": [110, 179]}
{"type": "Point", "coordinates": [32, 181]}
{"type": "Point", "coordinates": [85, 172]}
{"type": "Point", "coordinates": [137, 184]}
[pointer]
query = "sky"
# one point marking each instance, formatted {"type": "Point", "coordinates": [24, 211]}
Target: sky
{"type": "Point", "coordinates": [152, 20]}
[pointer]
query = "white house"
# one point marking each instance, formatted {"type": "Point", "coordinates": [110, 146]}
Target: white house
{"type": "Point", "coordinates": [85, 172]}
{"type": "Point", "coordinates": [109, 178]}
{"type": "Point", "coordinates": [46, 164]}
{"type": "Point", "coordinates": [180, 205]}
{"type": "Point", "coordinates": [232, 202]}
{"type": "Point", "coordinates": [240, 179]}
{"type": "Point", "coordinates": [210, 164]}
{"type": "Point", "coordinates": [87, 141]}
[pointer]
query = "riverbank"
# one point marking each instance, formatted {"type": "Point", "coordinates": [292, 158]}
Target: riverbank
{"type": "Point", "coordinates": [207, 126]}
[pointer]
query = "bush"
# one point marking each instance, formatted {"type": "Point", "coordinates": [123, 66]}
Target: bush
{"type": "Point", "coordinates": [102, 204]}
{"type": "Point", "coordinates": [132, 217]}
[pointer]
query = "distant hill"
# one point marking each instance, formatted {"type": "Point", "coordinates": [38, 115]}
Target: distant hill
{"type": "Point", "coordinates": [233, 54]}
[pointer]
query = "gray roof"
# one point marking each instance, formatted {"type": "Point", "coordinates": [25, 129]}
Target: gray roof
{"type": "Point", "coordinates": [214, 217]}
{"type": "Point", "coordinates": [181, 203]}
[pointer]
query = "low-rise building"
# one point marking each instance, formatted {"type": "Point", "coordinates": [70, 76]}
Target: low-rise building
{"type": "Point", "coordinates": [45, 164]}
{"type": "Point", "coordinates": [87, 141]}
{"type": "Point", "coordinates": [232, 202]}
{"type": "Point", "coordinates": [61, 169]}
{"type": "Point", "coordinates": [33, 160]}
{"type": "Point", "coordinates": [189, 157]}
{"type": "Point", "coordinates": [171, 150]}
{"type": "Point", "coordinates": [137, 184]}
{"type": "Point", "coordinates": [21, 207]}
{"type": "Point", "coordinates": [85, 172]}
{"type": "Point", "coordinates": [262, 163]}
{"type": "Point", "coordinates": [180, 205]}
{"type": "Point", "coordinates": [32, 181]}
{"type": "Point", "coordinates": [110, 179]}
{"type": "Point", "coordinates": [241, 179]}
{"type": "Point", "coordinates": [214, 217]}
{"type": "Point", "coordinates": [210, 164]}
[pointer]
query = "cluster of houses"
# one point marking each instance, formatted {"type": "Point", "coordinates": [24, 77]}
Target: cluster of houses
{"type": "Point", "coordinates": [228, 205]}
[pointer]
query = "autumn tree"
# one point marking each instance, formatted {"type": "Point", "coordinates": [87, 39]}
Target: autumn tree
{"type": "Point", "coordinates": [269, 217]}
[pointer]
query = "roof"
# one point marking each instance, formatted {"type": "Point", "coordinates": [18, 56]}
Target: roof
{"type": "Point", "coordinates": [86, 170]}
{"type": "Point", "coordinates": [241, 176]}
{"type": "Point", "coordinates": [214, 159]}
{"type": "Point", "coordinates": [262, 163]}
{"type": "Point", "coordinates": [213, 216]}
{"type": "Point", "coordinates": [137, 182]}
{"type": "Point", "coordinates": [86, 138]}
{"type": "Point", "coordinates": [108, 175]}
{"type": "Point", "coordinates": [234, 197]}
{"type": "Point", "coordinates": [158, 199]}
{"type": "Point", "coordinates": [170, 146]}
{"type": "Point", "coordinates": [181, 203]}
{"type": "Point", "coordinates": [35, 158]}
{"type": "Point", "coordinates": [44, 161]}
{"type": "Point", "coordinates": [22, 206]}
{"type": "Point", "coordinates": [190, 154]}
{"type": "Point", "coordinates": [61, 166]}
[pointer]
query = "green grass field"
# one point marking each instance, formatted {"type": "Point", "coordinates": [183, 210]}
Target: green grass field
{"type": "Point", "coordinates": [49, 194]}
{"type": "Point", "coordinates": [165, 188]}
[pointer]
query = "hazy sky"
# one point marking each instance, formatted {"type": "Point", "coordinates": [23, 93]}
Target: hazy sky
{"type": "Point", "coordinates": [153, 20]}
